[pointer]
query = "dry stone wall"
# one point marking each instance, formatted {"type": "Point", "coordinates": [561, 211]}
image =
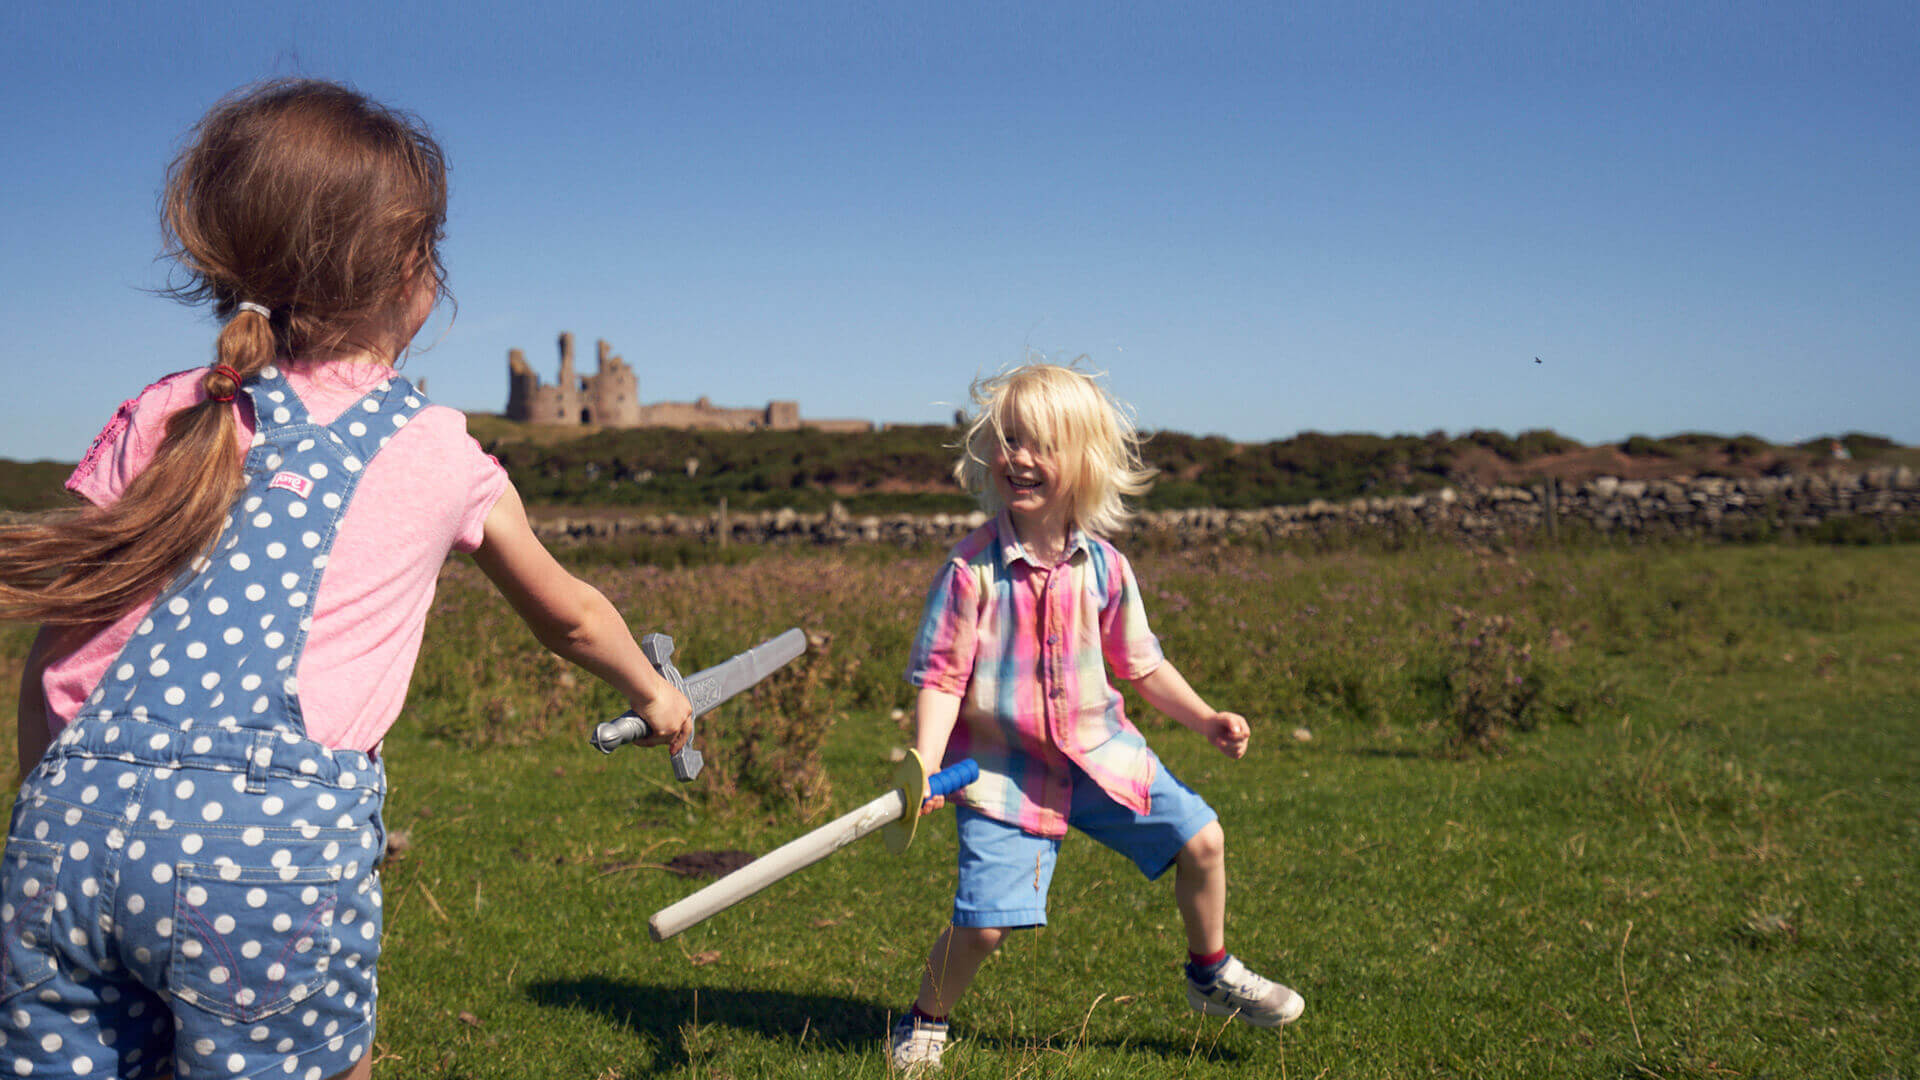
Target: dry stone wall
{"type": "Point", "coordinates": [1685, 506]}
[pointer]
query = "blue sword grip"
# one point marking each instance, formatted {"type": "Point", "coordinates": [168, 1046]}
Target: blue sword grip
{"type": "Point", "coordinates": [953, 778]}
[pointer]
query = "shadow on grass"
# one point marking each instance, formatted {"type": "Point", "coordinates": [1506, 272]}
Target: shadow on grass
{"type": "Point", "coordinates": [1400, 754]}
{"type": "Point", "coordinates": [661, 1014]}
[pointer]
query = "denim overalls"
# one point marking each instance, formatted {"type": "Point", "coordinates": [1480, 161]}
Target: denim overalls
{"type": "Point", "coordinates": [189, 881]}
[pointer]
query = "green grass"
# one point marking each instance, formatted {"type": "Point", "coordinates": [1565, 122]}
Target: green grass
{"type": "Point", "coordinates": [1700, 864]}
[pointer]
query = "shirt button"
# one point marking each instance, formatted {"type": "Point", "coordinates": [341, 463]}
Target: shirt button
{"type": "Point", "coordinates": [1053, 639]}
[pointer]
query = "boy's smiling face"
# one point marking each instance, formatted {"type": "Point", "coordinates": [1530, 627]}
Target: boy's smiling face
{"type": "Point", "coordinates": [1027, 475]}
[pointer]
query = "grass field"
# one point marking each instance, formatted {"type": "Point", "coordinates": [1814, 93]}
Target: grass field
{"type": "Point", "coordinates": [1691, 855]}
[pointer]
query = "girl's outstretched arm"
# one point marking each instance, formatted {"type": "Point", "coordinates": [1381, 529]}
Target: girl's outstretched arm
{"type": "Point", "coordinates": [575, 621]}
{"type": "Point", "coordinates": [1167, 690]}
{"type": "Point", "coordinates": [934, 714]}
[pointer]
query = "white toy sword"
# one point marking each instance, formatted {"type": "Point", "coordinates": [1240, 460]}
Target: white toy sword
{"type": "Point", "coordinates": [898, 812]}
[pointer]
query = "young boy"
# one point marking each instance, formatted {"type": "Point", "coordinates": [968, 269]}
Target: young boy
{"type": "Point", "coordinates": [1009, 659]}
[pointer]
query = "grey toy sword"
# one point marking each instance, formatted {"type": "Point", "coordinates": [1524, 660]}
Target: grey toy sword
{"type": "Point", "coordinates": [705, 691]}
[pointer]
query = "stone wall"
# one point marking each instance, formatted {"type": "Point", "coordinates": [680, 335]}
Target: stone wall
{"type": "Point", "coordinates": [1697, 506]}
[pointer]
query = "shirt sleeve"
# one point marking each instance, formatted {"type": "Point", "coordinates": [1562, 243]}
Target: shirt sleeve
{"type": "Point", "coordinates": [1128, 642]}
{"type": "Point", "coordinates": [128, 442]}
{"type": "Point", "coordinates": [942, 656]}
{"type": "Point", "coordinates": [488, 482]}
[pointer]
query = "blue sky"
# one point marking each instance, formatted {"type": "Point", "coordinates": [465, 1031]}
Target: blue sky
{"type": "Point", "coordinates": [1257, 218]}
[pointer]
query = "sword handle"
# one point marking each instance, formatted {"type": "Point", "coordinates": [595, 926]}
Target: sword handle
{"type": "Point", "coordinates": [630, 726]}
{"type": "Point", "coordinates": [953, 778]}
{"type": "Point", "coordinates": [610, 735]}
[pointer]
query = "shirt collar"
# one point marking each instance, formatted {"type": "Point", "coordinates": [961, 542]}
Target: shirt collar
{"type": "Point", "coordinates": [1013, 550]}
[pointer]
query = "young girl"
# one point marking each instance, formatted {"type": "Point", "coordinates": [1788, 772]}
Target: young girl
{"type": "Point", "coordinates": [190, 881]}
{"type": "Point", "coordinates": [1008, 660]}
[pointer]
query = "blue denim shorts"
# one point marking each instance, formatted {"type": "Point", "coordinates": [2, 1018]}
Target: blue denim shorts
{"type": "Point", "coordinates": [169, 913]}
{"type": "Point", "coordinates": [1005, 871]}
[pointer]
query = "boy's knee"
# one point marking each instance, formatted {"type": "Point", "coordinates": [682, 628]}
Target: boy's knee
{"type": "Point", "coordinates": [1206, 847]}
{"type": "Point", "coordinates": [983, 939]}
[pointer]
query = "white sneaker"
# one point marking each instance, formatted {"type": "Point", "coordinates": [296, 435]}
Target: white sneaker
{"type": "Point", "coordinates": [1238, 992]}
{"type": "Point", "coordinates": [917, 1045]}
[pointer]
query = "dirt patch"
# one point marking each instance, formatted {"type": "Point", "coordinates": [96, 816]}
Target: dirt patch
{"type": "Point", "coordinates": [709, 864]}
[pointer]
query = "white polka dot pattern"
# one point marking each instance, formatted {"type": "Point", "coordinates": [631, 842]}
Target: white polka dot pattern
{"type": "Point", "coordinates": [207, 872]}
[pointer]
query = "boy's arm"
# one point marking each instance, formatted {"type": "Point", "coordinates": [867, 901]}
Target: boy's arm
{"type": "Point", "coordinates": [572, 618]}
{"type": "Point", "coordinates": [1167, 690]}
{"type": "Point", "coordinates": [934, 714]}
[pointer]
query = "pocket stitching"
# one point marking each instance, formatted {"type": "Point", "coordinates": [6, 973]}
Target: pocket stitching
{"type": "Point", "coordinates": [31, 852]}
{"type": "Point", "coordinates": [291, 992]}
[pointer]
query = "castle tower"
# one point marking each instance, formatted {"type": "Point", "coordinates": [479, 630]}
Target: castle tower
{"type": "Point", "coordinates": [610, 396]}
{"type": "Point", "coordinates": [523, 388]}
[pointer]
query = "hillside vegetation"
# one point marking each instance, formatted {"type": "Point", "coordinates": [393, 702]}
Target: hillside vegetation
{"type": "Point", "coordinates": [907, 468]}
{"type": "Point", "coordinates": [33, 485]}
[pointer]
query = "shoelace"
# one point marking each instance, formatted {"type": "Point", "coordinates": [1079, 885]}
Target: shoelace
{"type": "Point", "coordinates": [1244, 983]}
{"type": "Point", "coordinates": [920, 1033]}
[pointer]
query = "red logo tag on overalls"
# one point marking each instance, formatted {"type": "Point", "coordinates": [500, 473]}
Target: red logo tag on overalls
{"type": "Point", "coordinates": [293, 482]}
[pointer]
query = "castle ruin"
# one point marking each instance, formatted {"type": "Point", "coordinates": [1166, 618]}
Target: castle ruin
{"type": "Point", "coordinates": [611, 398]}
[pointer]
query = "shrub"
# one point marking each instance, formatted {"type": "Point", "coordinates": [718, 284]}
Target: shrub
{"type": "Point", "coordinates": [1540, 442]}
{"type": "Point", "coordinates": [1493, 684]}
{"type": "Point", "coordinates": [765, 755]}
{"type": "Point", "coordinates": [1642, 446]}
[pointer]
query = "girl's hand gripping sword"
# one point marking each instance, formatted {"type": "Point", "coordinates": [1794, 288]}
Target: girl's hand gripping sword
{"type": "Point", "coordinates": [704, 691]}
{"type": "Point", "coordinates": [898, 811]}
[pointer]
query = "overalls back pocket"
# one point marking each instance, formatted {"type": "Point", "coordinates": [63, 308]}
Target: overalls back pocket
{"type": "Point", "coordinates": [32, 880]}
{"type": "Point", "coordinates": [251, 942]}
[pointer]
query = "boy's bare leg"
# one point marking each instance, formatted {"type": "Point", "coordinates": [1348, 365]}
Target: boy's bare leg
{"type": "Point", "coordinates": [956, 958]}
{"type": "Point", "coordinates": [1200, 888]}
{"type": "Point", "coordinates": [361, 1070]}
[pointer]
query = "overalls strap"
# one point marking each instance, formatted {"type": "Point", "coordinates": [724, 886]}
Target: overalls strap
{"type": "Point", "coordinates": [220, 648]}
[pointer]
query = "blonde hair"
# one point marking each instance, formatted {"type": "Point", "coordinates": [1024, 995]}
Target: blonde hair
{"type": "Point", "coordinates": [1067, 415]}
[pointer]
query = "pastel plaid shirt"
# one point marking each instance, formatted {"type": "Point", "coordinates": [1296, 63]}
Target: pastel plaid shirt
{"type": "Point", "coordinates": [1022, 645]}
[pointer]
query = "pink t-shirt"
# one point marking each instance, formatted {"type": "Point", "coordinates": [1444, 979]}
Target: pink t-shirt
{"type": "Point", "coordinates": [426, 494]}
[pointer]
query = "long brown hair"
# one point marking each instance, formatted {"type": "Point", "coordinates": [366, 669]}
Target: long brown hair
{"type": "Point", "coordinates": [305, 198]}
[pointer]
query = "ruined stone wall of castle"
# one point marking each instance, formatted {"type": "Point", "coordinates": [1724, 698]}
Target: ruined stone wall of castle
{"type": "Point", "coordinates": [841, 427]}
{"type": "Point", "coordinates": [528, 400]}
{"type": "Point", "coordinates": [703, 414]}
{"type": "Point", "coordinates": [611, 398]}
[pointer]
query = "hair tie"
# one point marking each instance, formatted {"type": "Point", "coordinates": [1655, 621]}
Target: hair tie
{"type": "Point", "coordinates": [222, 369]}
{"type": "Point", "coordinates": [260, 309]}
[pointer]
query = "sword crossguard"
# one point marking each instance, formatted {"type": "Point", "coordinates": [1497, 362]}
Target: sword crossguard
{"type": "Point", "coordinates": [916, 786]}
{"type": "Point", "coordinates": [630, 725]}
{"type": "Point", "coordinates": [658, 649]}
{"type": "Point", "coordinates": [705, 691]}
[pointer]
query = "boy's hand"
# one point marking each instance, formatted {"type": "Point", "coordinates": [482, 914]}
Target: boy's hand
{"type": "Point", "coordinates": [932, 802]}
{"type": "Point", "coordinates": [669, 719]}
{"type": "Point", "coordinates": [1230, 732]}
